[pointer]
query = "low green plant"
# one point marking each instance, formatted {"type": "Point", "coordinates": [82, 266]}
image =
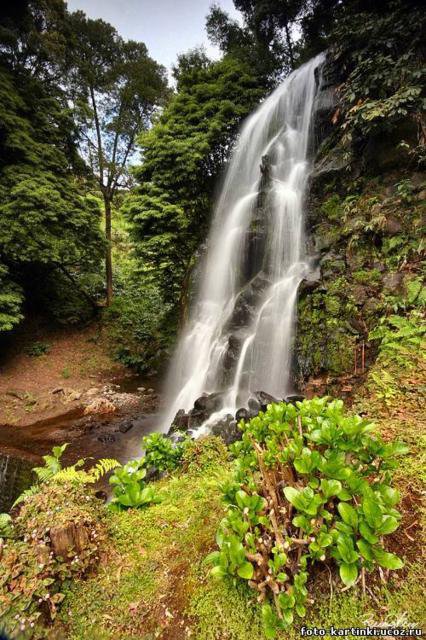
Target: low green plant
{"type": "Point", "coordinates": [37, 349]}
{"type": "Point", "coordinates": [398, 336]}
{"type": "Point", "coordinates": [129, 487]}
{"type": "Point", "coordinates": [311, 485]}
{"type": "Point", "coordinates": [52, 470]}
{"type": "Point", "coordinates": [162, 453]}
{"type": "Point", "coordinates": [6, 526]}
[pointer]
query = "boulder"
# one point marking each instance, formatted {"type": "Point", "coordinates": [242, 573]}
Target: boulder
{"type": "Point", "coordinates": [180, 422]}
{"type": "Point", "coordinates": [242, 414]}
{"type": "Point", "coordinates": [124, 427]}
{"type": "Point", "coordinates": [264, 399]}
{"type": "Point", "coordinates": [209, 402]}
{"type": "Point", "coordinates": [227, 429]}
{"type": "Point", "coordinates": [253, 406]}
{"type": "Point", "coordinates": [196, 418]}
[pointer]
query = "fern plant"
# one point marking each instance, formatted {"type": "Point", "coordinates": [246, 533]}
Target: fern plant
{"type": "Point", "coordinates": [52, 471]}
{"type": "Point", "coordinates": [6, 526]}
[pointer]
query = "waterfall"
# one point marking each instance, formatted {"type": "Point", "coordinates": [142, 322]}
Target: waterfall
{"type": "Point", "coordinates": [239, 335]}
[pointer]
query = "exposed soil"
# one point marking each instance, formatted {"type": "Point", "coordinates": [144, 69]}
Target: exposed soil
{"type": "Point", "coordinates": [73, 393]}
{"type": "Point", "coordinates": [76, 360]}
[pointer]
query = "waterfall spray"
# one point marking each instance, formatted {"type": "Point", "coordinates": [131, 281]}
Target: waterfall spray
{"type": "Point", "coordinates": [239, 335]}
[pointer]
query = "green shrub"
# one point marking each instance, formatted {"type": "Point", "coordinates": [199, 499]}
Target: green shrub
{"type": "Point", "coordinates": [162, 453]}
{"type": "Point", "coordinates": [399, 336]}
{"type": "Point", "coordinates": [129, 487]}
{"type": "Point", "coordinates": [311, 485]}
{"type": "Point", "coordinates": [37, 349]}
{"type": "Point", "coordinates": [136, 326]}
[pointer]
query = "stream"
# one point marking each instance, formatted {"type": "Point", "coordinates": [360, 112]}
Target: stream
{"type": "Point", "coordinates": [116, 435]}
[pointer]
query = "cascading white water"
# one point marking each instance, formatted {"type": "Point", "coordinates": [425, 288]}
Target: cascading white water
{"type": "Point", "coordinates": [238, 338]}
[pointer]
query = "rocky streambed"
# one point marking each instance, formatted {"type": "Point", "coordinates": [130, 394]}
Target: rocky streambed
{"type": "Point", "coordinates": [207, 414]}
{"type": "Point", "coordinates": [108, 421]}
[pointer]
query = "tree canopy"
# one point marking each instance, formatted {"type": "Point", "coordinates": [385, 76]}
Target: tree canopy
{"type": "Point", "coordinates": [183, 155]}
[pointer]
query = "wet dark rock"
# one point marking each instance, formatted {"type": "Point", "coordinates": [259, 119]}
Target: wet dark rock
{"type": "Point", "coordinates": [228, 430]}
{"type": "Point", "coordinates": [311, 282]}
{"type": "Point", "coordinates": [264, 399]}
{"type": "Point", "coordinates": [196, 418]}
{"type": "Point", "coordinates": [181, 421]}
{"type": "Point", "coordinates": [242, 414]}
{"type": "Point", "coordinates": [124, 427]}
{"type": "Point", "coordinates": [106, 438]}
{"type": "Point", "coordinates": [209, 402]}
{"type": "Point", "coordinates": [254, 406]}
{"type": "Point", "coordinates": [295, 397]}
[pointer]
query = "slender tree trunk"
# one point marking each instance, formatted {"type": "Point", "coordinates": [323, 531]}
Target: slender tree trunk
{"type": "Point", "coordinates": [108, 256]}
{"type": "Point", "coordinates": [289, 44]}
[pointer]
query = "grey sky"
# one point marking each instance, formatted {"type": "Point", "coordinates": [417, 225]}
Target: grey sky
{"type": "Point", "coordinates": [167, 27]}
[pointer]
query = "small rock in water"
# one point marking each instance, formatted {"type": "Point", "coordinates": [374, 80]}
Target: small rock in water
{"type": "Point", "coordinates": [228, 430]}
{"type": "Point", "coordinates": [294, 398]}
{"type": "Point", "coordinates": [264, 399]}
{"type": "Point", "coordinates": [125, 426]}
{"type": "Point", "coordinates": [106, 438]}
{"type": "Point", "coordinates": [242, 414]}
{"type": "Point", "coordinates": [141, 389]}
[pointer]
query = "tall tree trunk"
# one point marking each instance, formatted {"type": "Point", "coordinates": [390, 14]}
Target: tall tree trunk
{"type": "Point", "coordinates": [108, 256]}
{"type": "Point", "coordinates": [290, 45]}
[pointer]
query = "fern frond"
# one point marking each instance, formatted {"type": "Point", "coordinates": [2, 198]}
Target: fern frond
{"type": "Point", "coordinates": [44, 473]}
{"type": "Point", "coordinates": [72, 475]}
{"type": "Point", "coordinates": [102, 467]}
{"type": "Point", "coordinates": [26, 494]}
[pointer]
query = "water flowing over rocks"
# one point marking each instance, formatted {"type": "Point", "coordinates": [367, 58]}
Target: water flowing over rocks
{"type": "Point", "coordinates": [240, 334]}
{"type": "Point", "coordinates": [207, 411]}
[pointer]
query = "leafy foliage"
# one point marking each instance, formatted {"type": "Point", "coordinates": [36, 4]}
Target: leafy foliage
{"type": "Point", "coordinates": [47, 222]}
{"type": "Point", "coordinates": [136, 322]}
{"type": "Point", "coordinates": [183, 155]}
{"type": "Point", "coordinates": [52, 471]}
{"type": "Point", "coordinates": [380, 51]}
{"type": "Point", "coordinates": [311, 485]}
{"type": "Point", "coordinates": [162, 453]}
{"type": "Point", "coordinates": [34, 578]}
{"type": "Point", "coordinates": [129, 487]}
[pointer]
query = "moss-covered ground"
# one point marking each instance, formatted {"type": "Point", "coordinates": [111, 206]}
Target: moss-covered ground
{"type": "Point", "coordinates": [152, 581]}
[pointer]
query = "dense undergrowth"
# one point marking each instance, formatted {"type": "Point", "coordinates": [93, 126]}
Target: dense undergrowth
{"type": "Point", "coordinates": [147, 577]}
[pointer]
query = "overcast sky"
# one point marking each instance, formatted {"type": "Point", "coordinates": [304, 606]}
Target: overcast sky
{"type": "Point", "coordinates": [167, 27]}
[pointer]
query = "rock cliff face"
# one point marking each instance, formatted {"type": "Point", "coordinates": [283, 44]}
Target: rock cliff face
{"type": "Point", "coordinates": [363, 221]}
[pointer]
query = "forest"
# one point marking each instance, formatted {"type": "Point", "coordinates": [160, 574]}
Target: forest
{"type": "Point", "coordinates": [212, 325]}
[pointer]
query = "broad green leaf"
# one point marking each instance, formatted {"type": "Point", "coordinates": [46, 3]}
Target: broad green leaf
{"type": "Point", "coordinates": [348, 573]}
{"type": "Point", "coordinates": [367, 533]}
{"type": "Point", "coordinates": [246, 571]}
{"type": "Point", "coordinates": [365, 549]}
{"type": "Point", "coordinates": [348, 514]}
{"type": "Point", "coordinates": [372, 512]}
{"type": "Point", "coordinates": [218, 572]}
{"type": "Point", "coordinates": [389, 525]}
{"type": "Point", "coordinates": [387, 560]}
